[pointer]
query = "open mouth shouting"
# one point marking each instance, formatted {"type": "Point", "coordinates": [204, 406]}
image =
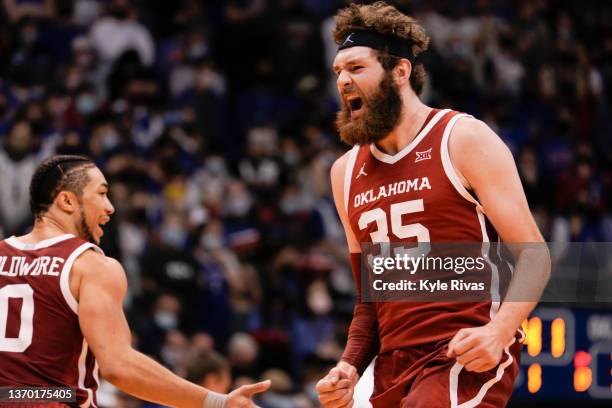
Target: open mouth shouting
{"type": "Point", "coordinates": [355, 104]}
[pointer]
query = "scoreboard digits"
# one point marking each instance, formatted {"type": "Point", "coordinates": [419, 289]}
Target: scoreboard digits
{"type": "Point", "coordinates": [568, 354]}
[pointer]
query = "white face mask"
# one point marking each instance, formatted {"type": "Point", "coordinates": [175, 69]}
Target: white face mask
{"type": "Point", "coordinates": [110, 140]}
{"type": "Point", "coordinates": [319, 302]}
{"type": "Point", "coordinates": [172, 236]}
{"type": "Point", "coordinates": [291, 158]}
{"type": "Point", "coordinates": [86, 104]}
{"type": "Point", "coordinates": [239, 206]}
{"type": "Point", "coordinates": [211, 241]}
{"type": "Point", "coordinates": [172, 356]}
{"type": "Point", "coordinates": [166, 320]}
{"type": "Point", "coordinates": [292, 204]}
{"type": "Point", "coordinates": [215, 165]}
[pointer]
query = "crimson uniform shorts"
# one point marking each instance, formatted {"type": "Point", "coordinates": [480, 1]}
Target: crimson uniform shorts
{"type": "Point", "coordinates": [423, 377]}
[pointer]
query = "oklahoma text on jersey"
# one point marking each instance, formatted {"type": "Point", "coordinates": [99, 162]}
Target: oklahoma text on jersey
{"type": "Point", "coordinates": [398, 187]}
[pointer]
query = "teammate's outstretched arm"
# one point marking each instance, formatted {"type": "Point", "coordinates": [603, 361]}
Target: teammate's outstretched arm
{"type": "Point", "coordinates": [100, 286]}
{"type": "Point", "coordinates": [337, 387]}
{"type": "Point", "coordinates": [487, 167]}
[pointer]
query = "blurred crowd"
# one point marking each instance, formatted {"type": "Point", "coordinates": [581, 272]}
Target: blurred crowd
{"type": "Point", "coordinates": [214, 123]}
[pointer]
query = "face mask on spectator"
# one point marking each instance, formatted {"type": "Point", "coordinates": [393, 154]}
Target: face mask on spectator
{"type": "Point", "coordinates": [211, 241]}
{"type": "Point", "coordinates": [291, 158]}
{"type": "Point", "coordinates": [110, 140]}
{"type": "Point", "coordinates": [197, 50]}
{"type": "Point", "coordinates": [166, 320]}
{"type": "Point", "coordinates": [215, 165]}
{"type": "Point", "coordinates": [291, 205]}
{"type": "Point", "coordinates": [173, 236]}
{"type": "Point", "coordinates": [86, 104]}
{"type": "Point", "coordinates": [172, 355]}
{"type": "Point", "coordinates": [239, 206]}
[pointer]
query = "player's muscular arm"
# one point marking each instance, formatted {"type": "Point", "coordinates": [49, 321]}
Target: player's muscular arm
{"type": "Point", "coordinates": [486, 167]}
{"type": "Point", "coordinates": [102, 286]}
{"type": "Point", "coordinates": [336, 388]}
{"type": "Point", "coordinates": [363, 340]}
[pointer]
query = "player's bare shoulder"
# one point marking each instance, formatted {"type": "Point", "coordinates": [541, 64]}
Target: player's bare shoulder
{"type": "Point", "coordinates": [95, 267]}
{"type": "Point", "coordinates": [471, 136]}
{"type": "Point", "coordinates": [339, 166]}
{"type": "Point", "coordinates": [337, 175]}
{"type": "Point", "coordinates": [474, 146]}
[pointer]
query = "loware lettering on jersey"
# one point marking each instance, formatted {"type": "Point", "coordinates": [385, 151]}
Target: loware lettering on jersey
{"type": "Point", "coordinates": [389, 190]}
{"type": "Point", "coordinates": [41, 266]}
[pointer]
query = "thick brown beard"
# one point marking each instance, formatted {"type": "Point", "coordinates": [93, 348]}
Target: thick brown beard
{"type": "Point", "coordinates": [382, 114]}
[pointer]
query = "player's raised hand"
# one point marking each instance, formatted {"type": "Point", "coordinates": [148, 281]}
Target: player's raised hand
{"type": "Point", "coordinates": [479, 349]}
{"type": "Point", "coordinates": [242, 397]}
{"type": "Point", "coordinates": [336, 389]}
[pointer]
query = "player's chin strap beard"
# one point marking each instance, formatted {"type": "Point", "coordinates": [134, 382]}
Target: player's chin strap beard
{"type": "Point", "coordinates": [87, 234]}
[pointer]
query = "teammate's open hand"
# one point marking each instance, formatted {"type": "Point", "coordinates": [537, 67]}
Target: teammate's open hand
{"type": "Point", "coordinates": [479, 349]}
{"type": "Point", "coordinates": [241, 397]}
{"type": "Point", "coordinates": [337, 387]}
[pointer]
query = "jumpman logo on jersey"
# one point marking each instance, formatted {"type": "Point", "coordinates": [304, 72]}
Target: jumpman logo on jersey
{"type": "Point", "coordinates": [361, 171]}
{"type": "Point", "coordinates": [348, 39]}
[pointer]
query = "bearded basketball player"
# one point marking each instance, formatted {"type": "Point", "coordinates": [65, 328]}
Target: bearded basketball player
{"type": "Point", "coordinates": [434, 354]}
{"type": "Point", "coordinates": [61, 301]}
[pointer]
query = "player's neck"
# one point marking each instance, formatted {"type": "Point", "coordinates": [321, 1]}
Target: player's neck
{"type": "Point", "coordinates": [47, 227]}
{"type": "Point", "coordinates": [414, 115]}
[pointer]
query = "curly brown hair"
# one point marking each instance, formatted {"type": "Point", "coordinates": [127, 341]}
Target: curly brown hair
{"type": "Point", "coordinates": [385, 19]}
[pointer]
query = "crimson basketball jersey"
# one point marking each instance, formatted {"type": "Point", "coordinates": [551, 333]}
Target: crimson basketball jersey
{"type": "Point", "coordinates": [41, 343]}
{"type": "Point", "coordinates": [416, 196]}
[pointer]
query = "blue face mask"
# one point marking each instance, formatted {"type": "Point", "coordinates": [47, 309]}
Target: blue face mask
{"type": "Point", "coordinates": [110, 140]}
{"type": "Point", "coordinates": [166, 320]}
{"type": "Point", "coordinates": [211, 241]}
{"type": "Point", "coordinates": [174, 237]}
{"type": "Point", "coordinates": [86, 104]}
{"type": "Point", "coordinates": [198, 50]}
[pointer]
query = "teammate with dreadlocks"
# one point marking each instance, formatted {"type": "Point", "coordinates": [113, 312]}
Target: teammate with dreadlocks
{"type": "Point", "coordinates": [61, 301]}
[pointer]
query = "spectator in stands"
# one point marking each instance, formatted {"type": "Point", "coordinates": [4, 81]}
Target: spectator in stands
{"type": "Point", "coordinates": [210, 370]}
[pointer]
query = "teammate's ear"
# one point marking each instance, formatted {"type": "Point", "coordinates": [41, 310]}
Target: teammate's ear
{"type": "Point", "coordinates": [66, 201]}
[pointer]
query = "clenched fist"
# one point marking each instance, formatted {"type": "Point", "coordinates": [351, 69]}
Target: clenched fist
{"type": "Point", "coordinates": [337, 387]}
{"type": "Point", "coordinates": [479, 349]}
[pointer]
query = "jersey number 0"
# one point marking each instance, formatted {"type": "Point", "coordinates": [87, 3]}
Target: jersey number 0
{"type": "Point", "coordinates": [22, 342]}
